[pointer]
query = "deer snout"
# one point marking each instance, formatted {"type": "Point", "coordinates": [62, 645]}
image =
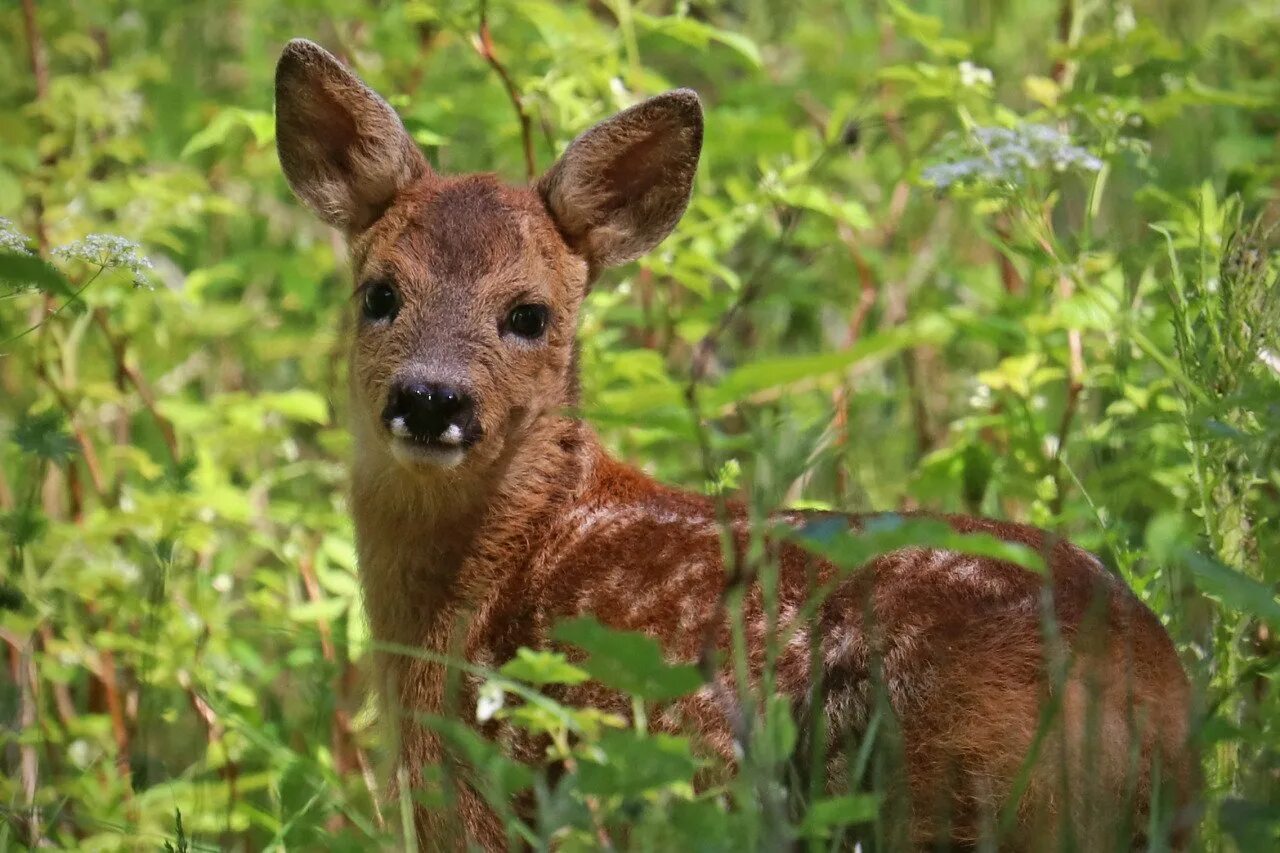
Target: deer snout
{"type": "Point", "coordinates": [431, 413]}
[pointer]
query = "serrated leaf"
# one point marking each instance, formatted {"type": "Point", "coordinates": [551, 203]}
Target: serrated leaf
{"type": "Point", "coordinates": [18, 269]}
{"type": "Point", "coordinates": [42, 436]}
{"type": "Point", "coordinates": [540, 667]}
{"type": "Point", "coordinates": [23, 524]}
{"type": "Point", "coordinates": [627, 660]}
{"type": "Point", "coordinates": [833, 812]}
{"type": "Point", "coordinates": [629, 763]}
{"type": "Point", "coordinates": [260, 124]}
{"type": "Point", "coordinates": [1234, 589]}
{"type": "Point", "coordinates": [11, 598]}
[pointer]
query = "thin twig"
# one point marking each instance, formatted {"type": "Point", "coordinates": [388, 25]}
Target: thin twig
{"type": "Point", "coordinates": [87, 450]}
{"type": "Point", "coordinates": [35, 49]}
{"type": "Point", "coordinates": [106, 673]}
{"type": "Point", "coordinates": [38, 60]}
{"type": "Point", "coordinates": [1075, 385]}
{"type": "Point", "coordinates": [24, 674]}
{"type": "Point", "coordinates": [6, 493]}
{"type": "Point", "coordinates": [483, 43]}
{"type": "Point", "coordinates": [1063, 70]}
{"type": "Point", "coordinates": [23, 665]}
{"type": "Point", "coordinates": [119, 351]}
{"type": "Point", "coordinates": [868, 291]}
{"type": "Point", "coordinates": [63, 704]}
{"type": "Point", "coordinates": [214, 731]}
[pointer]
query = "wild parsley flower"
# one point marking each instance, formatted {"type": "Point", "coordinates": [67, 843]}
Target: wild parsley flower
{"type": "Point", "coordinates": [109, 251]}
{"type": "Point", "coordinates": [13, 240]}
{"type": "Point", "coordinates": [1008, 155]}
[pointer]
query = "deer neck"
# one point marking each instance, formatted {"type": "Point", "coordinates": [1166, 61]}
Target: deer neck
{"type": "Point", "coordinates": [431, 543]}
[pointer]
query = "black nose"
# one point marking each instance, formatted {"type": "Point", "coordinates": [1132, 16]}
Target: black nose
{"type": "Point", "coordinates": [430, 412]}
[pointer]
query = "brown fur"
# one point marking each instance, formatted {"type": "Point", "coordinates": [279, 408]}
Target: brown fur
{"type": "Point", "coordinates": [538, 523]}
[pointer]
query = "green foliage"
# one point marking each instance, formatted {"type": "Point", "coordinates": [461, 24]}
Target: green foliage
{"type": "Point", "coordinates": [627, 661]}
{"type": "Point", "coordinates": [958, 256]}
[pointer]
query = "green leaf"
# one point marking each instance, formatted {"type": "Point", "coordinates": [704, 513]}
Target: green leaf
{"type": "Point", "coordinates": [1234, 589]}
{"type": "Point", "coordinates": [539, 667]}
{"type": "Point", "coordinates": [771, 373]}
{"type": "Point", "coordinates": [1251, 824]}
{"type": "Point", "coordinates": [11, 598]}
{"type": "Point", "coordinates": [628, 661]}
{"type": "Point", "coordinates": [821, 200]}
{"type": "Point", "coordinates": [261, 125]}
{"type": "Point", "coordinates": [18, 269]}
{"type": "Point", "coordinates": [298, 405]}
{"type": "Point", "coordinates": [42, 436]}
{"type": "Point", "coordinates": [834, 812]}
{"type": "Point", "coordinates": [851, 549]}
{"type": "Point", "coordinates": [488, 761]}
{"type": "Point", "coordinates": [776, 739]}
{"type": "Point", "coordinates": [24, 524]}
{"type": "Point", "coordinates": [926, 30]}
{"type": "Point", "coordinates": [629, 763]}
{"type": "Point", "coordinates": [698, 34]}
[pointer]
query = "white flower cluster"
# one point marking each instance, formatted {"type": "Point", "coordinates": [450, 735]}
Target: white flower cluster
{"type": "Point", "coordinates": [975, 75]}
{"type": "Point", "coordinates": [108, 251]}
{"type": "Point", "coordinates": [1008, 155]}
{"type": "Point", "coordinates": [11, 239]}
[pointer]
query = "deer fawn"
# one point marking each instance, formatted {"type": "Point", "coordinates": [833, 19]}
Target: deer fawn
{"type": "Point", "coordinates": [485, 513]}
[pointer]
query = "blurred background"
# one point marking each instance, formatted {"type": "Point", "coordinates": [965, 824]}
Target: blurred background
{"type": "Point", "coordinates": [1009, 257]}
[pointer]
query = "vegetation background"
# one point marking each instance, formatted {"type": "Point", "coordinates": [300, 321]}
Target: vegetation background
{"type": "Point", "coordinates": [1007, 257]}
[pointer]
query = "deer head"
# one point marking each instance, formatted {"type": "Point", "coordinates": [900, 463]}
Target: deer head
{"type": "Point", "coordinates": [467, 290]}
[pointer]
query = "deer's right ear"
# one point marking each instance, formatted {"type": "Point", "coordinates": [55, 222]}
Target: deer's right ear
{"type": "Point", "coordinates": [344, 150]}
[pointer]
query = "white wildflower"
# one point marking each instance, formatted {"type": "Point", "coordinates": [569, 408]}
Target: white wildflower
{"type": "Point", "coordinates": [1125, 21]}
{"type": "Point", "coordinates": [489, 701]}
{"type": "Point", "coordinates": [11, 239]}
{"type": "Point", "coordinates": [975, 75]}
{"type": "Point", "coordinates": [128, 572]}
{"type": "Point", "coordinates": [221, 583]}
{"type": "Point", "coordinates": [81, 753]}
{"type": "Point", "coordinates": [981, 398]}
{"type": "Point", "coordinates": [109, 251]}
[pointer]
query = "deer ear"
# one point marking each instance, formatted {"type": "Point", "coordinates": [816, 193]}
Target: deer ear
{"type": "Point", "coordinates": [621, 187]}
{"type": "Point", "coordinates": [343, 149]}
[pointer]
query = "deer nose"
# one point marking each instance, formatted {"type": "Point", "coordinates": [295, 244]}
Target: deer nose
{"type": "Point", "coordinates": [430, 412]}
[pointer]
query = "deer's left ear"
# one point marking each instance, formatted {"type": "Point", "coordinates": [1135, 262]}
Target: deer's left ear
{"type": "Point", "coordinates": [622, 186]}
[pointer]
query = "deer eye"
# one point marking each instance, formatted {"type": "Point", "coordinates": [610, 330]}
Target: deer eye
{"type": "Point", "coordinates": [380, 301]}
{"type": "Point", "coordinates": [527, 321]}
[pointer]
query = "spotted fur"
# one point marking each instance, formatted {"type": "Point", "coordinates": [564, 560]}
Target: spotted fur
{"type": "Point", "coordinates": [538, 523]}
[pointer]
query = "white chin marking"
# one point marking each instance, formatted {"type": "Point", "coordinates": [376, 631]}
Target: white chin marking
{"type": "Point", "coordinates": [452, 436]}
{"type": "Point", "coordinates": [416, 455]}
{"type": "Point", "coordinates": [399, 428]}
